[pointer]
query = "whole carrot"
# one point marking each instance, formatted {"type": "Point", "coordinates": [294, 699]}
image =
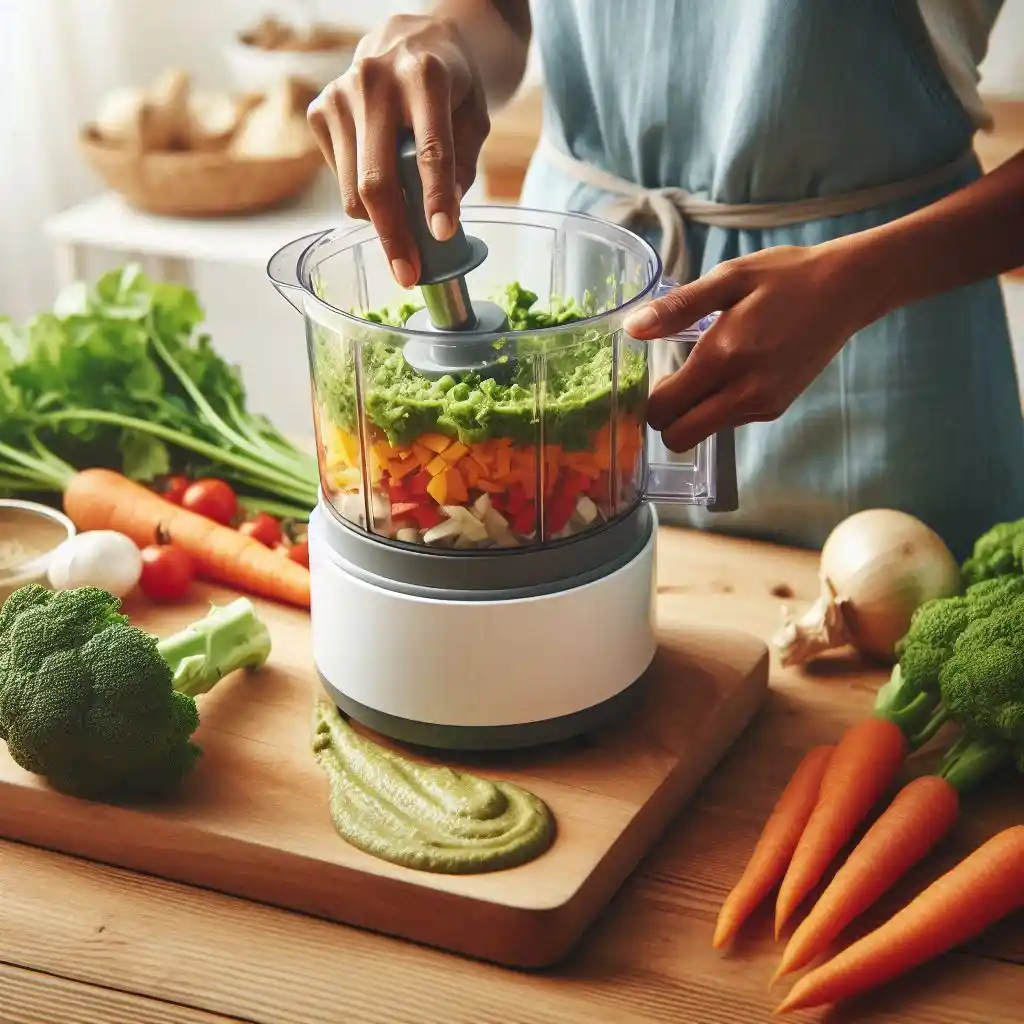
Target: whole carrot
{"type": "Point", "coordinates": [982, 889]}
{"type": "Point", "coordinates": [919, 816]}
{"type": "Point", "coordinates": [864, 765]}
{"type": "Point", "coordinates": [778, 839]}
{"type": "Point", "coordinates": [101, 499]}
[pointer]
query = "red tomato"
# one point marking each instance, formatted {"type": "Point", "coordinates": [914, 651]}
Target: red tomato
{"type": "Point", "coordinates": [299, 552]}
{"type": "Point", "coordinates": [175, 487]}
{"type": "Point", "coordinates": [212, 498]}
{"type": "Point", "coordinates": [264, 528]}
{"type": "Point", "coordinates": [166, 572]}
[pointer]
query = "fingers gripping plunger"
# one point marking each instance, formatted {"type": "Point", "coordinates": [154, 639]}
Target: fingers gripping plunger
{"type": "Point", "coordinates": [465, 332]}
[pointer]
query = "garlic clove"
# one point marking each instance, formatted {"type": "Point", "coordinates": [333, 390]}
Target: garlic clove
{"type": "Point", "coordinates": [97, 558]}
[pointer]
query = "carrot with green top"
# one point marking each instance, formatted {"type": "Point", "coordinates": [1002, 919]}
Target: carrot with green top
{"type": "Point", "coordinates": [775, 846]}
{"type": "Point", "coordinates": [985, 887]}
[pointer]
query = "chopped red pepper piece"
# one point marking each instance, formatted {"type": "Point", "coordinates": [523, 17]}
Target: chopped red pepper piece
{"type": "Point", "coordinates": [575, 483]}
{"type": "Point", "coordinates": [558, 511]}
{"type": "Point", "coordinates": [516, 499]}
{"type": "Point", "coordinates": [416, 485]}
{"type": "Point", "coordinates": [397, 492]}
{"type": "Point", "coordinates": [600, 490]}
{"type": "Point", "coordinates": [427, 516]}
{"type": "Point", "coordinates": [525, 520]}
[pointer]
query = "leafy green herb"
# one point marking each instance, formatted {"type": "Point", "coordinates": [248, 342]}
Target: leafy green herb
{"type": "Point", "coordinates": [118, 375]}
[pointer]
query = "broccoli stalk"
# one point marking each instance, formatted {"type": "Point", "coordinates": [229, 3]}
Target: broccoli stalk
{"type": "Point", "coordinates": [227, 639]}
{"type": "Point", "coordinates": [98, 706]}
{"type": "Point", "coordinates": [972, 759]}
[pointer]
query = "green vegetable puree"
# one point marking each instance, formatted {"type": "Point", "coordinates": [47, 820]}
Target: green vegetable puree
{"type": "Point", "coordinates": [420, 816]}
{"type": "Point", "coordinates": [567, 381]}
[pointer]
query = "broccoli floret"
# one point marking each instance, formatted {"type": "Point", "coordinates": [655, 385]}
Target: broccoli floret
{"type": "Point", "coordinates": [912, 698]}
{"type": "Point", "coordinates": [997, 552]}
{"type": "Point", "coordinates": [982, 684]}
{"type": "Point", "coordinates": [100, 707]}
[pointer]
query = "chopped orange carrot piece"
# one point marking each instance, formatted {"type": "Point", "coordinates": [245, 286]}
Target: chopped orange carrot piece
{"type": "Point", "coordinates": [454, 452]}
{"type": "Point", "coordinates": [384, 451]}
{"type": "Point", "coordinates": [436, 466]}
{"type": "Point", "coordinates": [435, 442]}
{"type": "Point", "coordinates": [456, 486]}
{"type": "Point", "coordinates": [438, 488]}
{"type": "Point", "coordinates": [399, 470]}
{"type": "Point", "coordinates": [422, 453]}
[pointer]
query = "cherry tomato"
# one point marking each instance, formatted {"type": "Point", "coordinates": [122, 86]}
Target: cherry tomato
{"type": "Point", "coordinates": [175, 487]}
{"type": "Point", "coordinates": [299, 552]}
{"type": "Point", "coordinates": [166, 572]}
{"type": "Point", "coordinates": [212, 498]}
{"type": "Point", "coordinates": [264, 528]}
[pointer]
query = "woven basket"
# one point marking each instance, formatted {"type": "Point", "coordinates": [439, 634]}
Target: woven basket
{"type": "Point", "coordinates": [196, 183]}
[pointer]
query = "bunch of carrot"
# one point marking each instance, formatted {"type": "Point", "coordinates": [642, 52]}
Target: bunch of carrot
{"type": "Point", "coordinates": [831, 792]}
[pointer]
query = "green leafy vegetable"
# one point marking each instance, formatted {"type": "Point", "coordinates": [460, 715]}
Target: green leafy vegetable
{"type": "Point", "coordinates": [118, 376]}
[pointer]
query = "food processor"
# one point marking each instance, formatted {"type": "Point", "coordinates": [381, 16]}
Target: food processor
{"type": "Point", "coordinates": [482, 555]}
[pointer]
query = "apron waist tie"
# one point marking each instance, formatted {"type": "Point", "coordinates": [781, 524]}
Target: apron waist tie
{"type": "Point", "coordinates": [670, 208]}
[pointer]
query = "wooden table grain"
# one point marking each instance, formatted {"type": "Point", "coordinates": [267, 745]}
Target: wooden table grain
{"type": "Point", "coordinates": [85, 944]}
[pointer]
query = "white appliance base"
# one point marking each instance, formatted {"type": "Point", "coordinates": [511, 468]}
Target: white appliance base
{"type": "Point", "coordinates": [432, 672]}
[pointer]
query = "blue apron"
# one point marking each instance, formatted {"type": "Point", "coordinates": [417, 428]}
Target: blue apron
{"type": "Point", "coordinates": [743, 101]}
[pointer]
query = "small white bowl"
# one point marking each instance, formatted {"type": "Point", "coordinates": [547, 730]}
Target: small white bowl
{"type": "Point", "coordinates": [41, 530]}
{"type": "Point", "coordinates": [254, 69]}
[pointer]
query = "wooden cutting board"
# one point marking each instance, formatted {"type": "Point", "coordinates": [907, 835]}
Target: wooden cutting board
{"type": "Point", "coordinates": [253, 819]}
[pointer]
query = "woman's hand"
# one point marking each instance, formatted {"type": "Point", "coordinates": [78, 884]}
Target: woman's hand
{"type": "Point", "coordinates": [785, 312]}
{"type": "Point", "coordinates": [412, 71]}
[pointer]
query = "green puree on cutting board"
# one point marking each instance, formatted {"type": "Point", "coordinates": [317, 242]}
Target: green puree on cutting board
{"type": "Point", "coordinates": [421, 816]}
{"type": "Point", "coordinates": [577, 390]}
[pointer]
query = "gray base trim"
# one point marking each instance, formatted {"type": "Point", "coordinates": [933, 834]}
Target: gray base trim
{"type": "Point", "coordinates": [556, 565]}
{"type": "Point", "coordinates": [472, 738]}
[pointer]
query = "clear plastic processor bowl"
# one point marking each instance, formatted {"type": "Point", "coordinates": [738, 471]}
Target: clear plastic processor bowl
{"type": "Point", "coordinates": [548, 444]}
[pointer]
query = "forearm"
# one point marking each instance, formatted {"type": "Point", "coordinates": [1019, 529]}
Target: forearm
{"type": "Point", "coordinates": [497, 34]}
{"type": "Point", "coordinates": [972, 234]}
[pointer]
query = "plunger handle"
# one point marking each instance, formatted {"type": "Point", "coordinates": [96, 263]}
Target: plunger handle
{"type": "Point", "coordinates": [440, 261]}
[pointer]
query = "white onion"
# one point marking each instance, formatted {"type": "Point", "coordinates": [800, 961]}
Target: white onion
{"type": "Point", "coordinates": [877, 567]}
{"type": "Point", "coordinates": [97, 558]}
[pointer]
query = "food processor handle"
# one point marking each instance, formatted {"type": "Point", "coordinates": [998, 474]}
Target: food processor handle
{"type": "Point", "coordinates": [283, 269]}
{"type": "Point", "coordinates": [723, 466]}
{"type": "Point", "coordinates": [727, 496]}
{"type": "Point", "coordinates": [439, 261]}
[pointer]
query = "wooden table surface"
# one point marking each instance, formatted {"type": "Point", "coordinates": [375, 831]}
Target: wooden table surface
{"type": "Point", "coordinates": [86, 944]}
